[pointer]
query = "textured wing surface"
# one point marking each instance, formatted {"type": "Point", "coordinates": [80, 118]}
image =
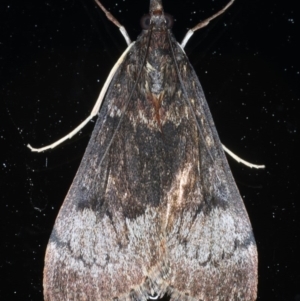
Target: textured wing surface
{"type": "Point", "coordinates": [108, 236]}
{"type": "Point", "coordinates": [153, 208]}
{"type": "Point", "coordinates": [212, 251]}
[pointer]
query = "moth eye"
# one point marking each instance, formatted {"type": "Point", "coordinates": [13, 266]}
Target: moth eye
{"type": "Point", "coordinates": [145, 22]}
{"type": "Point", "coordinates": [169, 20]}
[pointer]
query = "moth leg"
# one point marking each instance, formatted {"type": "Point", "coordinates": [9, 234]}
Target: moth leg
{"type": "Point", "coordinates": [240, 160]}
{"type": "Point", "coordinates": [115, 21]}
{"type": "Point", "coordinates": [203, 24]}
{"type": "Point", "coordinates": [95, 108]}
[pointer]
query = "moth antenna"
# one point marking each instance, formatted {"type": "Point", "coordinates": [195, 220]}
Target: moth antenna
{"type": "Point", "coordinates": [203, 24]}
{"type": "Point", "coordinates": [95, 108]}
{"type": "Point", "coordinates": [240, 160]}
{"type": "Point", "coordinates": [115, 21]}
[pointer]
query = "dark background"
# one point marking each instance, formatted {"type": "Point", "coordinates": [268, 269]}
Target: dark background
{"type": "Point", "coordinates": [54, 58]}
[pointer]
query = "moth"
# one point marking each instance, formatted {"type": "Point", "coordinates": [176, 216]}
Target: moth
{"type": "Point", "coordinates": [153, 211]}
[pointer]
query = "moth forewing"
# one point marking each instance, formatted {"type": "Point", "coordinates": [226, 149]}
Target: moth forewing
{"type": "Point", "coordinates": [153, 210]}
{"type": "Point", "coordinates": [213, 224]}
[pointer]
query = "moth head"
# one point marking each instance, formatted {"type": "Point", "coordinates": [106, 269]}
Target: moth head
{"type": "Point", "coordinates": [156, 17]}
{"type": "Point", "coordinates": [146, 21]}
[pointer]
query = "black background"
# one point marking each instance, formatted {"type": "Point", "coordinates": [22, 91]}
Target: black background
{"type": "Point", "coordinates": [54, 59]}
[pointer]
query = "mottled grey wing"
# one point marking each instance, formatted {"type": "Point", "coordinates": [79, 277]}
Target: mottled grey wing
{"type": "Point", "coordinates": [212, 251]}
{"type": "Point", "coordinates": [153, 209]}
{"type": "Point", "coordinates": [107, 237]}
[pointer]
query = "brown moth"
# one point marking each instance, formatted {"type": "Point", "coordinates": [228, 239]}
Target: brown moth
{"type": "Point", "coordinates": [153, 211]}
